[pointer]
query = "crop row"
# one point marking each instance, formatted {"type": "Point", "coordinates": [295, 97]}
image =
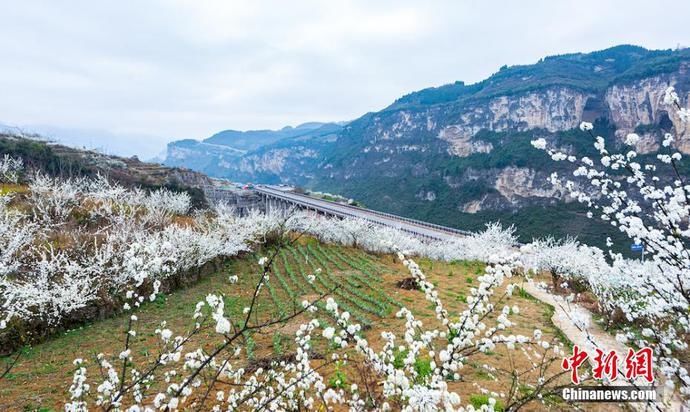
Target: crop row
{"type": "Point", "coordinates": [354, 285]}
{"type": "Point", "coordinates": [362, 274]}
{"type": "Point", "coordinates": [355, 281]}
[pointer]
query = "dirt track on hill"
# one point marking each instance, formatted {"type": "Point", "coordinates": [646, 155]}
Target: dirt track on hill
{"type": "Point", "coordinates": [593, 336]}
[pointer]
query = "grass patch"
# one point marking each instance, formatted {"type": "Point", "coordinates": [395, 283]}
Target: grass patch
{"type": "Point", "coordinates": [521, 292]}
{"type": "Point", "coordinates": [478, 401]}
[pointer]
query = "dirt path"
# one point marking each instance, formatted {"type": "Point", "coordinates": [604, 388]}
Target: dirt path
{"type": "Point", "coordinates": [591, 336]}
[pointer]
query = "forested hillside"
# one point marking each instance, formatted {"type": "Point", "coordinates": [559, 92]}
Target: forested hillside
{"type": "Point", "coordinates": [460, 154]}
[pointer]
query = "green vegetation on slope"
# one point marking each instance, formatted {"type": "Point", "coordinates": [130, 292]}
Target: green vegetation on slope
{"type": "Point", "coordinates": [591, 72]}
{"type": "Point", "coordinates": [367, 289]}
{"type": "Point", "coordinates": [61, 161]}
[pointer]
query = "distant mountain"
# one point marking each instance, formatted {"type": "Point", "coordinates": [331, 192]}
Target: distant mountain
{"type": "Point", "coordinates": [254, 139]}
{"type": "Point", "coordinates": [38, 154]}
{"type": "Point", "coordinates": [460, 154]}
{"type": "Point", "coordinates": [121, 144]}
{"type": "Point", "coordinates": [241, 155]}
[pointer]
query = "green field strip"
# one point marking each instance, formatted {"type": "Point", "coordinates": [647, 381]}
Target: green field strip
{"type": "Point", "coordinates": [355, 282]}
{"type": "Point", "coordinates": [294, 278]}
{"type": "Point", "coordinates": [367, 279]}
{"type": "Point", "coordinates": [353, 296]}
{"type": "Point", "coordinates": [346, 302]}
{"type": "Point", "coordinates": [366, 271]}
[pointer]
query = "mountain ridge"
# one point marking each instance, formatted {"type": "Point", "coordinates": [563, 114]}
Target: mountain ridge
{"type": "Point", "coordinates": [253, 139]}
{"type": "Point", "coordinates": [459, 154]}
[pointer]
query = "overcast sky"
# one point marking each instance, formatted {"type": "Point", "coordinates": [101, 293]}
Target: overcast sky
{"type": "Point", "coordinates": [153, 71]}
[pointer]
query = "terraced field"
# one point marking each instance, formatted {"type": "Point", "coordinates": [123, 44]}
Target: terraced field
{"type": "Point", "coordinates": [362, 283]}
{"type": "Point", "coordinates": [352, 278]}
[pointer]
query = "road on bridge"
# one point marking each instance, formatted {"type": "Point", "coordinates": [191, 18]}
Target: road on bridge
{"type": "Point", "coordinates": [415, 227]}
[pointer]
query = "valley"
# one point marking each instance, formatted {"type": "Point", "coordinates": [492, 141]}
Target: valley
{"type": "Point", "coordinates": [399, 206]}
{"type": "Point", "coordinates": [460, 155]}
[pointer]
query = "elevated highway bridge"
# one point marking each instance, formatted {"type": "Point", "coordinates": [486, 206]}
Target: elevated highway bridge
{"type": "Point", "coordinates": [278, 198]}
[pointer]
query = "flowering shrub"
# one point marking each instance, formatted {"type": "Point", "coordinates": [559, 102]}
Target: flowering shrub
{"type": "Point", "coordinates": [69, 243]}
{"type": "Point", "coordinates": [490, 244]}
{"type": "Point", "coordinates": [10, 169]}
{"type": "Point", "coordinates": [565, 260]}
{"type": "Point", "coordinates": [215, 376]}
{"type": "Point", "coordinates": [654, 212]}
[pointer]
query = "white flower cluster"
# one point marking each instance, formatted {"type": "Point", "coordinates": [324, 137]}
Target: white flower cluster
{"type": "Point", "coordinates": [650, 205]}
{"type": "Point", "coordinates": [494, 241]}
{"type": "Point", "coordinates": [10, 169]}
{"type": "Point", "coordinates": [126, 239]}
{"type": "Point", "coordinates": [563, 259]}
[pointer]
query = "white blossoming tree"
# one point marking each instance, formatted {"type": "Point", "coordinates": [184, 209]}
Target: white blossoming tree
{"type": "Point", "coordinates": [10, 169]}
{"type": "Point", "coordinates": [215, 375]}
{"type": "Point", "coordinates": [652, 209]}
{"type": "Point", "coordinates": [68, 244]}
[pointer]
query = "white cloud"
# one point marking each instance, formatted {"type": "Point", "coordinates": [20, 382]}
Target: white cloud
{"type": "Point", "coordinates": [188, 69]}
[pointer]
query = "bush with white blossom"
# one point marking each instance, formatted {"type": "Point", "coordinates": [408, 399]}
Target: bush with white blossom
{"type": "Point", "coordinates": [648, 202]}
{"type": "Point", "coordinates": [80, 241]}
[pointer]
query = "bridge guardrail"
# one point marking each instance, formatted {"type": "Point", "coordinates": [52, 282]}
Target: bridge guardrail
{"type": "Point", "coordinates": [312, 202]}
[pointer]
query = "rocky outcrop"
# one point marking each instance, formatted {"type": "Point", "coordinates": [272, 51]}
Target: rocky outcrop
{"type": "Point", "coordinates": [427, 195]}
{"type": "Point", "coordinates": [473, 206]}
{"type": "Point", "coordinates": [553, 109]}
{"type": "Point", "coordinates": [640, 103]}
{"type": "Point", "coordinates": [461, 143]}
{"type": "Point", "coordinates": [516, 182]}
{"type": "Point", "coordinates": [636, 103]}
{"type": "Point", "coordinates": [648, 143]}
{"type": "Point", "coordinates": [274, 161]}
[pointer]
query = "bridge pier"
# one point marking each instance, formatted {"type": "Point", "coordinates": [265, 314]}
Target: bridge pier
{"type": "Point", "coordinates": [277, 205]}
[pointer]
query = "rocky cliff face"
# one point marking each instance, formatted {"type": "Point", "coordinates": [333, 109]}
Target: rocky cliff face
{"type": "Point", "coordinates": [553, 109]}
{"type": "Point", "coordinates": [275, 161]}
{"type": "Point", "coordinates": [514, 183]}
{"type": "Point", "coordinates": [287, 156]}
{"type": "Point", "coordinates": [640, 103]}
{"type": "Point", "coordinates": [458, 152]}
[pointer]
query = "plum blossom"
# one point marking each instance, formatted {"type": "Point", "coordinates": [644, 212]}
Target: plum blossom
{"type": "Point", "coordinates": [539, 143]}
{"type": "Point", "coordinates": [632, 139]}
{"type": "Point", "coordinates": [586, 126]}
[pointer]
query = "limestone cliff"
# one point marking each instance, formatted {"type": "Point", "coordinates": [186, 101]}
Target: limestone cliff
{"type": "Point", "coordinates": [457, 152]}
{"type": "Point", "coordinates": [553, 109]}
{"type": "Point", "coordinates": [640, 103]}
